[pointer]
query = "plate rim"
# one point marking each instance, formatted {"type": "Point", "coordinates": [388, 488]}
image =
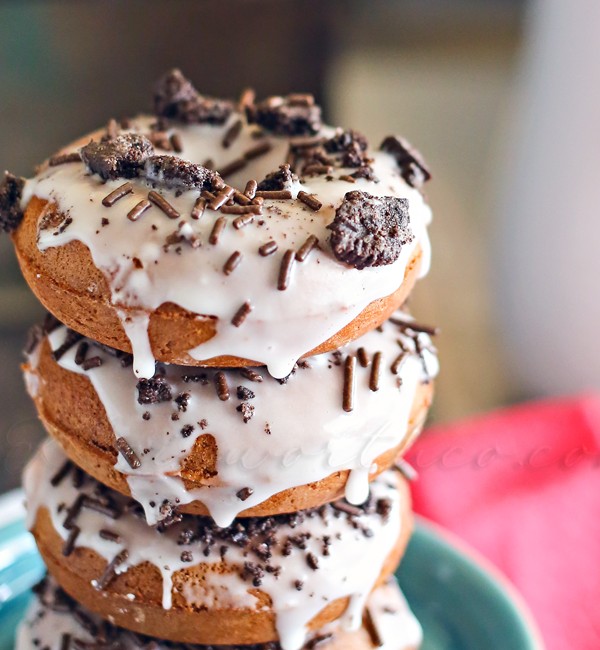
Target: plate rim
{"type": "Point", "coordinates": [487, 570]}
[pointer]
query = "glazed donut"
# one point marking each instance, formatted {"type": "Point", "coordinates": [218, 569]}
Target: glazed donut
{"type": "Point", "coordinates": [56, 622]}
{"type": "Point", "coordinates": [326, 249]}
{"type": "Point", "coordinates": [259, 580]}
{"type": "Point", "coordinates": [235, 442]}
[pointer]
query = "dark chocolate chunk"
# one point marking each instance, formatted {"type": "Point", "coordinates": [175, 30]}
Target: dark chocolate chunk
{"type": "Point", "coordinates": [286, 115]}
{"type": "Point", "coordinates": [120, 157]}
{"type": "Point", "coordinates": [413, 168]}
{"type": "Point", "coordinates": [176, 98]}
{"type": "Point", "coordinates": [368, 230]}
{"type": "Point", "coordinates": [282, 179]}
{"type": "Point", "coordinates": [11, 214]}
{"type": "Point", "coordinates": [152, 391]}
{"type": "Point", "coordinates": [171, 172]}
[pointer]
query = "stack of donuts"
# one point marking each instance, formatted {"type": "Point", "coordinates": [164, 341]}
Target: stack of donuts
{"type": "Point", "coordinates": [228, 376]}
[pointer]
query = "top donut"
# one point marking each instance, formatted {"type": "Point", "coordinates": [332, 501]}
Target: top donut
{"type": "Point", "coordinates": [216, 233]}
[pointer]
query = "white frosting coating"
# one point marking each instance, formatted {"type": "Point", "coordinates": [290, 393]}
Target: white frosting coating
{"type": "Point", "coordinates": [44, 627]}
{"type": "Point", "coordinates": [350, 569]}
{"type": "Point", "coordinates": [324, 295]}
{"type": "Point", "coordinates": [304, 444]}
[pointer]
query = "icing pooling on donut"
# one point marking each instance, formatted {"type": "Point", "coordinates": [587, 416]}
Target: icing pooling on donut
{"type": "Point", "coordinates": [349, 568]}
{"type": "Point", "coordinates": [44, 625]}
{"type": "Point", "coordinates": [324, 295]}
{"type": "Point", "coordinates": [298, 432]}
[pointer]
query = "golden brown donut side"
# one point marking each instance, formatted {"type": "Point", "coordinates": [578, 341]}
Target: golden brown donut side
{"type": "Point", "coordinates": [69, 285]}
{"type": "Point", "coordinates": [182, 623]}
{"type": "Point", "coordinates": [73, 414]}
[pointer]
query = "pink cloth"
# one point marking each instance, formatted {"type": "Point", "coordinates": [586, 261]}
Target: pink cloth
{"type": "Point", "coordinates": [522, 486]}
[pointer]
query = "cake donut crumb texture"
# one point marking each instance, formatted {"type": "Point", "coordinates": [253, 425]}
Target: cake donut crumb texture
{"type": "Point", "coordinates": [226, 442]}
{"type": "Point", "coordinates": [249, 235]}
{"type": "Point", "coordinates": [187, 580]}
{"type": "Point", "coordinates": [56, 622]}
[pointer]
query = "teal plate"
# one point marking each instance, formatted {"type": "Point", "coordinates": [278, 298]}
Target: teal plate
{"type": "Point", "coordinates": [461, 602]}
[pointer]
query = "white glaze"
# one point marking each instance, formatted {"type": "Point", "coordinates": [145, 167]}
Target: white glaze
{"type": "Point", "coordinates": [349, 570]}
{"type": "Point", "coordinates": [324, 295]}
{"type": "Point", "coordinates": [311, 436]}
{"type": "Point", "coordinates": [44, 627]}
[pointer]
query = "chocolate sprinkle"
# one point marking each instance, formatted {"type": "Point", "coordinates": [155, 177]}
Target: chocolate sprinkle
{"type": "Point", "coordinates": [304, 250]}
{"type": "Point", "coordinates": [258, 150]}
{"type": "Point", "coordinates": [250, 190]}
{"type": "Point", "coordinates": [92, 362]}
{"type": "Point", "coordinates": [217, 229]}
{"type": "Point", "coordinates": [232, 134]}
{"type": "Point", "coordinates": [221, 386]}
{"type": "Point", "coordinates": [245, 220]}
{"type": "Point", "coordinates": [267, 249]}
{"type": "Point", "coordinates": [415, 326]}
{"type": "Point", "coordinates": [369, 624]}
{"type": "Point", "coordinates": [138, 210]}
{"type": "Point", "coordinates": [349, 383]}
{"type": "Point", "coordinates": [58, 478]}
{"type": "Point", "coordinates": [251, 374]}
{"type": "Point", "coordinates": [233, 166]}
{"type": "Point", "coordinates": [110, 536]}
{"type": "Point", "coordinates": [162, 203]}
{"type": "Point", "coordinates": [233, 261]}
{"type": "Point", "coordinates": [285, 270]}
{"type": "Point", "coordinates": [128, 454]}
{"type": "Point", "coordinates": [69, 545]}
{"type": "Point", "coordinates": [11, 190]}
{"type": "Point", "coordinates": [122, 191]}
{"type": "Point", "coordinates": [375, 372]}
{"type": "Point", "coordinates": [241, 314]}
{"type": "Point", "coordinates": [274, 194]}
{"type": "Point", "coordinates": [310, 200]}
{"type": "Point", "coordinates": [111, 569]}
{"type": "Point", "coordinates": [370, 231]}
{"type": "Point", "coordinates": [363, 357]}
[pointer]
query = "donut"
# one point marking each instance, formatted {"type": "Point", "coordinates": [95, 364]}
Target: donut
{"type": "Point", "coordinates": [189, 581]}
{"type": "Point", "coordinates": [57, 622]}
{"type": "Point", "coordinates": [235, 442]}
{"type": "Point", "coordinates": [225, 236]}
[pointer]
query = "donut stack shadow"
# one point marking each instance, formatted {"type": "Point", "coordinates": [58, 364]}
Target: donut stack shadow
{"type": "Point", "coordinates": [189, 495]}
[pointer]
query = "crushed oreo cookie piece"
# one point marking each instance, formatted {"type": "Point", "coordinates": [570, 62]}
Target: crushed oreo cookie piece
{"type": "Point", "coordinates": [153, 391]}
{"type": "Point", "coordinates": [413, 168]}
{"type": "Point", "coordinates": [344, 140]}
{"type": "Point", "coordinates": [120, 157]}
{"type": "Point", "coordinates": [247, 411]}
{"type": "Point", "coordinates": [286, 115]}
{"type": "Point", "coordinates": [11, 214]}
{"type": "Point", "coordinates": [171, 172]}
{"type": "Point", "coordinates": [176, 98]}
{"type": "Point", "coordinates": [282, 179]}
{"type": "Point", "coordinates": [368, 230]}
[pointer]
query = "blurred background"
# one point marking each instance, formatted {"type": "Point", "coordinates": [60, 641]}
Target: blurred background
{"type": "Point", "coordinates": [480, 86]}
